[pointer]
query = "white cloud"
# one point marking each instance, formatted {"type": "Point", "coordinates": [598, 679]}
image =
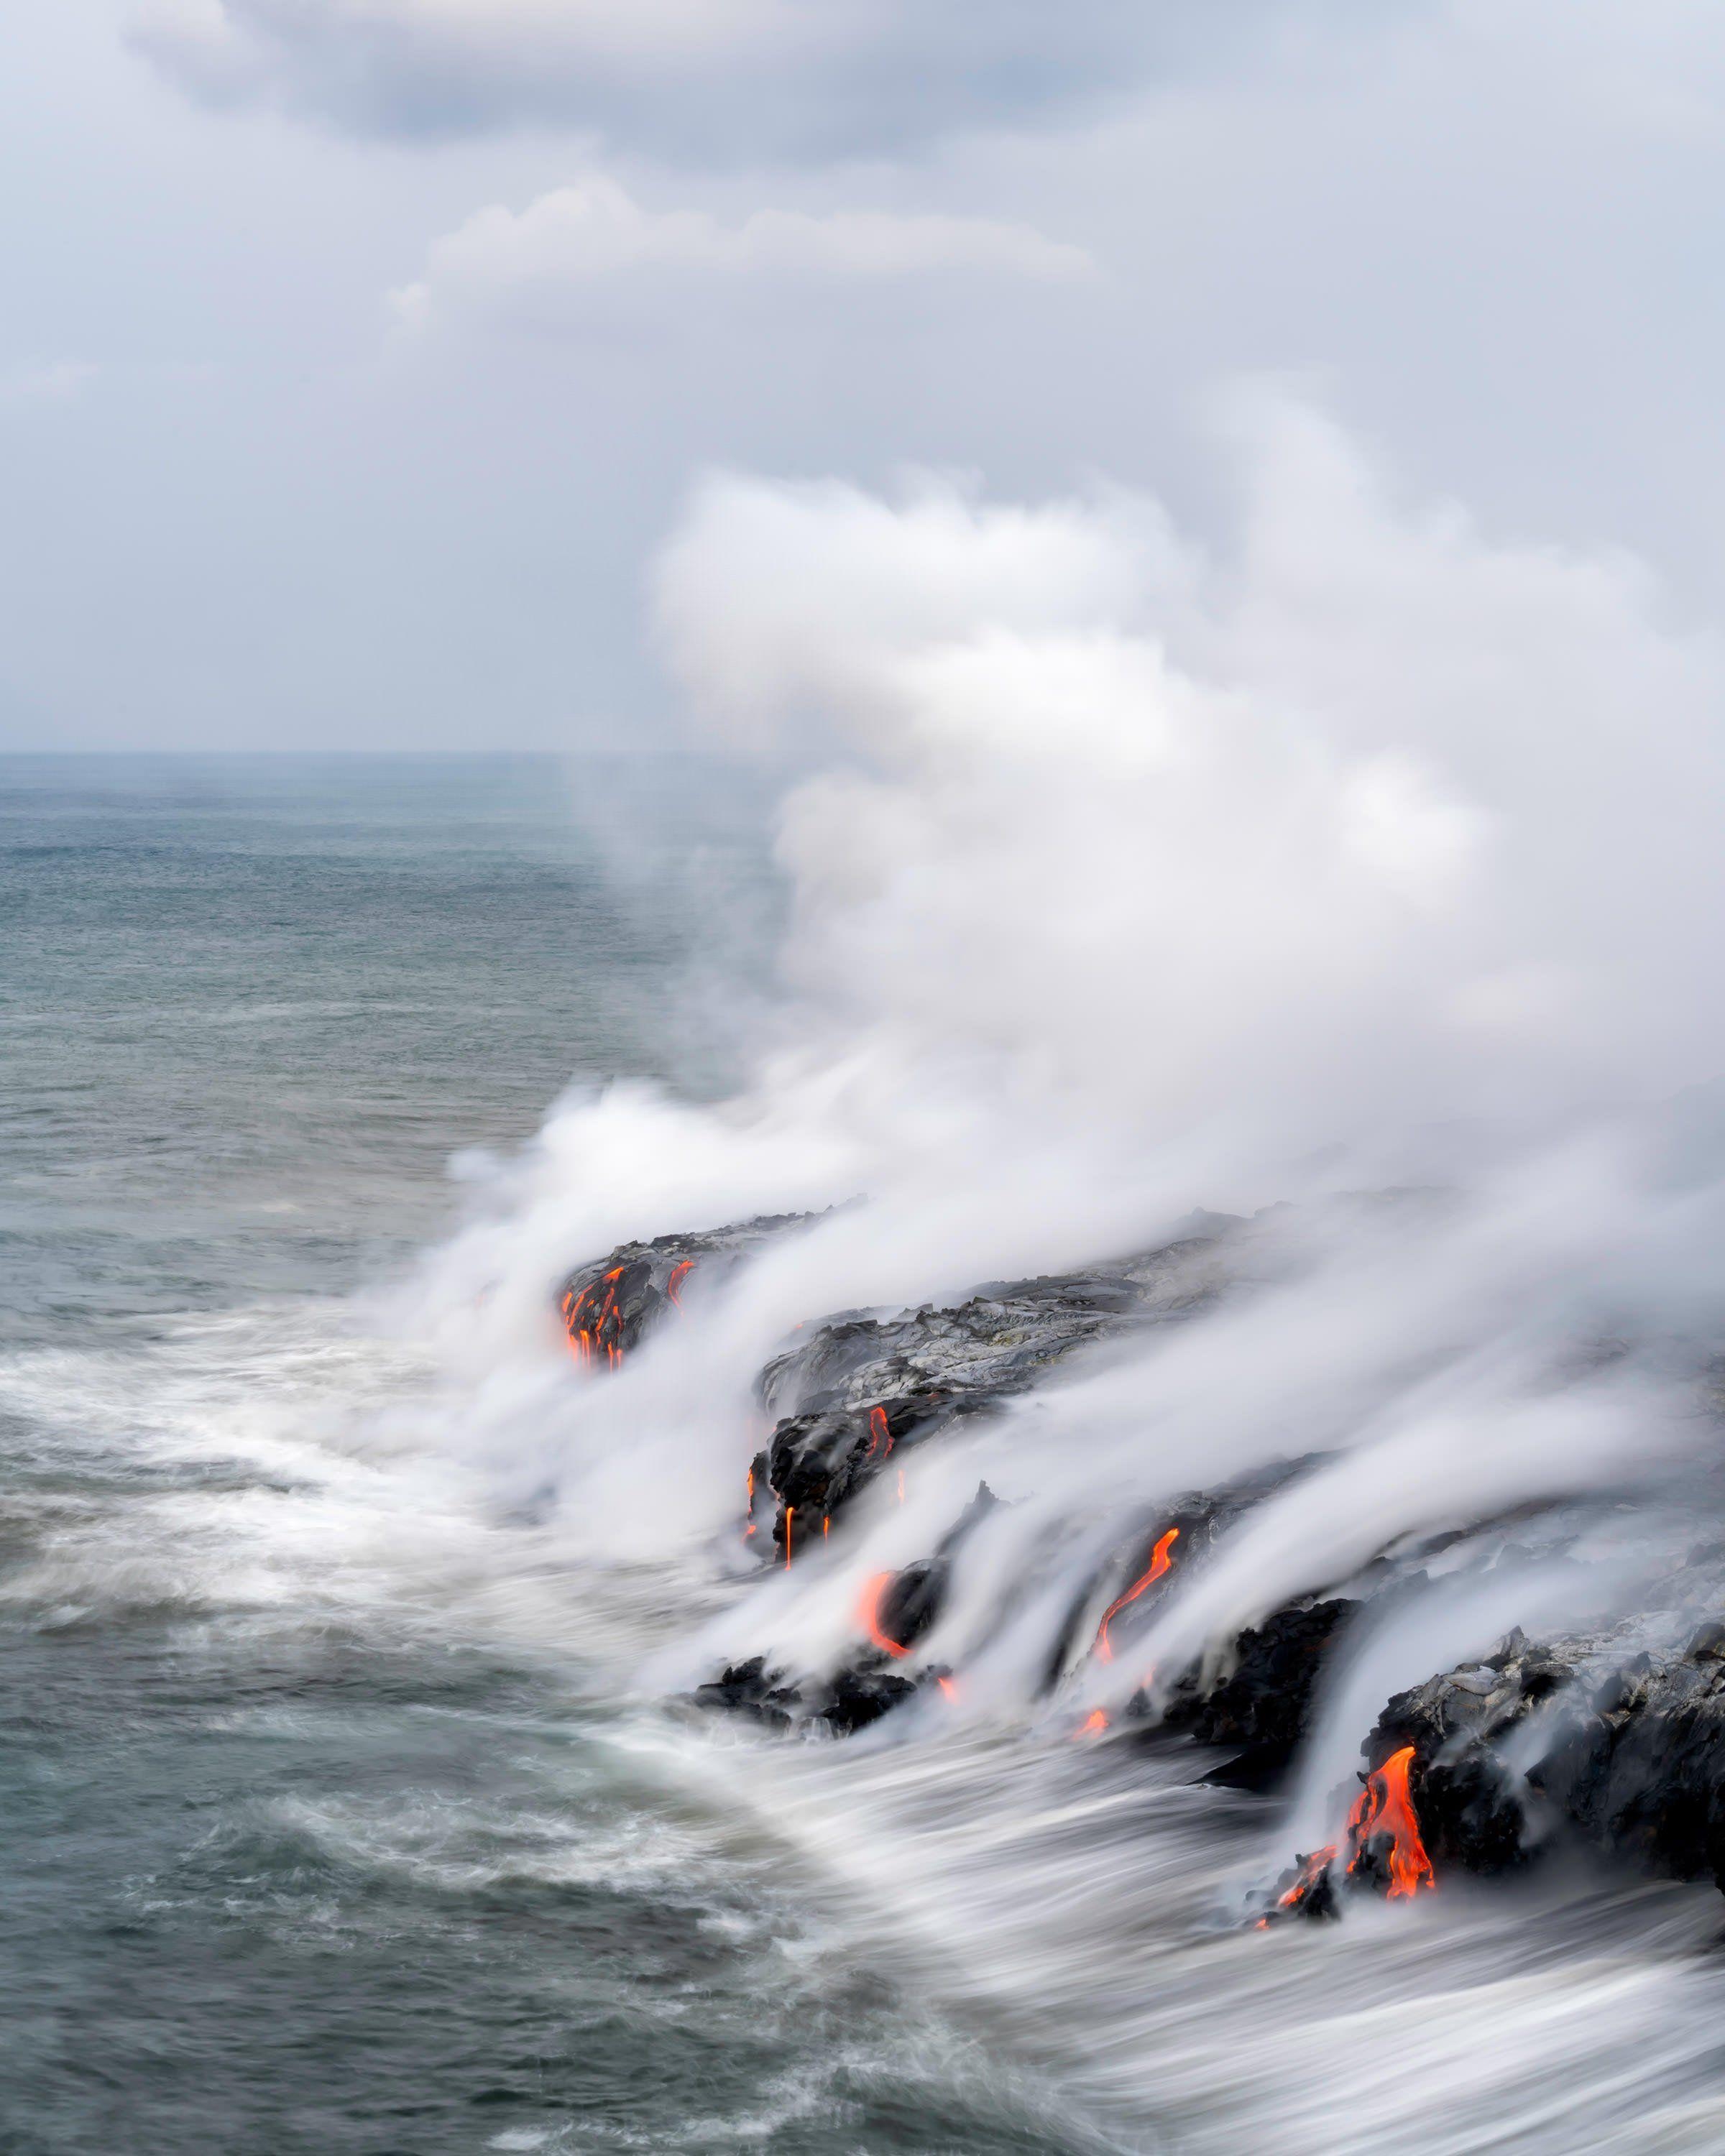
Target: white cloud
{"type": "Point", "coordinates": [51, 383]}
{"type": "Point", "coordinates": [698, 77]}
{"type": "Point", "coordinates": [537, 262]}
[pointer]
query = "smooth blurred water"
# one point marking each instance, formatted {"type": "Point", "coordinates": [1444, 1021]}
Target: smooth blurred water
{"type": "Point", "coordinates": [304, 1851]}
{"type": "Point", "coordinates": [329, 1823]}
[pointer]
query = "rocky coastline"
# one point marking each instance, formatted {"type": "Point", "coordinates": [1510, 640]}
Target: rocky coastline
{"type": "Point", "coordinates": [1609, 1741]}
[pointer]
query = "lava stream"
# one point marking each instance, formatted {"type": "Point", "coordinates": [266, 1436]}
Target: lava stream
{"type": "Point", "coordinates": [1160, 1562]}
{"type": "Point", "coordinates": [868, 1614]}
{"type": "Point", "coordinates": [1385, 1806]}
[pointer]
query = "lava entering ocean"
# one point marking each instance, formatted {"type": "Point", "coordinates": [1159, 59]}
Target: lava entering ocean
{"type": "Point", "coordinates": [1384, 1809]}
{"type": "Point", "coordinates": [1160, 1562]}
{"type": "Point", "coordinates": [1384, 1845]}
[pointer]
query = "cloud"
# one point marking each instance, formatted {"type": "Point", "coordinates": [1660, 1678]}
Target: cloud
{"type": "Point", "coordinates": [538, 262]}
{"type": "Point", "coordinates": [699, 78]}
{"type": "Point", "coordinates": [52, 383]}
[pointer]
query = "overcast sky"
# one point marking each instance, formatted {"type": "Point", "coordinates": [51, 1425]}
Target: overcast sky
{"type": "Point", "coordinates": [357, 356]}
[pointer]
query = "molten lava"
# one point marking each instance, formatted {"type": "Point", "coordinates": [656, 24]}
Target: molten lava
{"type": "Point", "coordinates": [790, 1514]}
{"type": "Point", "coordinates": [589, 1334]}
{"type": "Point", "coordinates": [868, 1615]}
{"type": "Point", "coordinates": [949, 1687]}
{"type": "Point", "coordinates": [1382, 1826]}
{"type": "Point", "coordinates": [1094, 1723]}
{"type": "Point", "coordinates": [1312, 1872]}
{"type": "Point", "coordinates": [1160, 1562]}
{"type": "Point", "coordinates": [879, 1435]}
{"type": "Point", "coordinates": [1385, 1806]}
{"type": "Point", "coordinates": [749, 1516]}
{"type": "Point", "coordinates": [596, 1325]}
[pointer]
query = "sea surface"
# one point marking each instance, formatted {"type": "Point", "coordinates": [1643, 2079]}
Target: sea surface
{"type": "Point", "coordinates": [331, 1820]}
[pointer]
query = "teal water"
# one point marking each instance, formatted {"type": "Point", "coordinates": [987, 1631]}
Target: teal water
{"type": "Point", "coordinates": [330, 1823]}
{"type": "Point", "coordinates": [315, 1840]}
{"type": "Point", "coordinates": [253, 1006]}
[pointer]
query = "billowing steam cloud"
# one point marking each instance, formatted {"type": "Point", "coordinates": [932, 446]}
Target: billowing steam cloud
{"type": "Point", "coordinates": [1131, 878]}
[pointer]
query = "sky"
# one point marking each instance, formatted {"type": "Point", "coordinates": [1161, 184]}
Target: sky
{"type": "Point", "coordinates": [360, 358]}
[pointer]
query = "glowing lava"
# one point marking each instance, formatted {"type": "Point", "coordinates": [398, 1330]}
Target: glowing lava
{"type": "Point", "coordinates": [1160, 1562]}
{"type": "Point", "coordinates": [790, 1514]}
{"type": "Point", "coordinates": [1382, 1813]}
{"type": "Point", "coordinates": [1312, 1872]}
{"type": "Point", "coordinates": [1385, 1806]}
{"type": "Point", "coordinates": [1094, 1723]}
{"type": "Point", "coordinates": [594, 1324]}
{"type": "Point", "coordinates": [749, 1516]}
{"type": "Point", "coordinates": [868, 1615]}
{"type": "Point", "coordinates": [588, 1333]}
{"type": "Point", "coordinates": [879, 1435]}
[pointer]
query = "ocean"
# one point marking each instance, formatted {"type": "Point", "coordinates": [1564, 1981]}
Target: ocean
{"type": "Point", "coordinates": [337, 1815]}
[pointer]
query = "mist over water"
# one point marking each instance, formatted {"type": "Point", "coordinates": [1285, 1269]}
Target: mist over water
{"type": "Point", "coordinates": [1119, 881]}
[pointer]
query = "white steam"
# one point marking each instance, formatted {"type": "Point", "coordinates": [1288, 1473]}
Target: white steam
{"type": "Point", "coordinates": [1131, 878]}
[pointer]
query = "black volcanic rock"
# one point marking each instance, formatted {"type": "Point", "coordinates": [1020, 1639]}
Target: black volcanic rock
{"type": "Point", "coordinates": [1586, 1737]}
{"type": "Point", "coordinates": [1473, 1807]}
{"type": "Point", "coordinates": [855, 1697]}
{"type": "Point", "coordinates": [608, 1307]}
{"type": "Point", "coordinates": [749, 1689]}
{"type": "Point", "coordinates": [1262, 1700]}
{"type": "Point", "coordinates": [859, 1391]}
{"type": "Point", "coordinates": [1637, 1762]}
{"type": "Point", "coordinates": [1124, 1593]}
{"type": "Point", "coordinates": [1628, 1754]}
{"type": "Point", "coordinates": [902, 1608]}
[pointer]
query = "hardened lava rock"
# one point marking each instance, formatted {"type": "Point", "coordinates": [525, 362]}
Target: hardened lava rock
{"type": "Point", "coordinates": [1473, 1805]}
{"type": "Point", "coordinates": [1259, 1702]}
{"type": "Point", "coordinates": [1586, 1737]}
{"type": "Point", "coordinates": [853, 1395]}
{"type": "Point", "coordinates": [1157, 1556]}
{"type": "Point", "coordinates": [608, 1307]}
{"type": "Point", "coordinates": [850, 1699]}
{"type": "Point", "coordinates": [897, 1611]}
{"type": "Point", "coordinates": [1640, 1766]}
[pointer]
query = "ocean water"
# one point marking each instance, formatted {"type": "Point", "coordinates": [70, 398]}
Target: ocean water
{"type": "Point", "coordinates": [335, 1820]}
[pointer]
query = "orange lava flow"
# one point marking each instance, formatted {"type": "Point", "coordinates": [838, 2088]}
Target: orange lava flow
{"type": "Point", "coordinates": [949, 1687]}
{"type": "Point", "coordinates": [790, 1514]}
{"type": "Point", "coordinates": [1386, 1806]}
{"type": "Point", "coordinates": [580, 1346]}
{"type": "Point", "coordinates": [868, 1615]}
{"type": "Point", "coordinates": [1094, 1723]}
{"type": "Point", "coordinates": [1160, 1562]}
{"type": "Point", "coordinates": [679, 1273]}
{"type": "Point", "coordinates": [1312, 1868]}
{"type": "Point", "coordinates": [879, 1435]}
{"type": "Point", "coordinates": [749, 1516]}
{"type": "Point", "coordinates": [587, 1335]}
